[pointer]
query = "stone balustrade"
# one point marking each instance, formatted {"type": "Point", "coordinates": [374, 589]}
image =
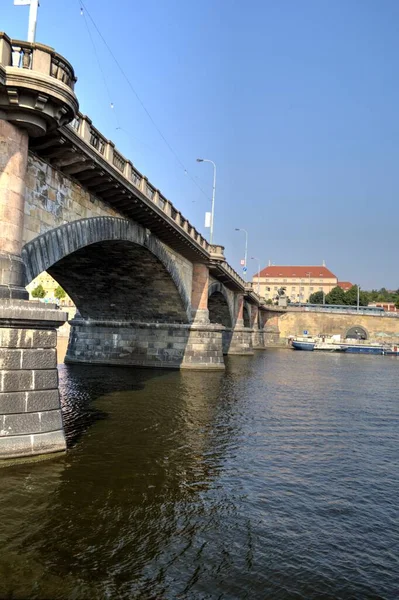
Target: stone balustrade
{"type": "Point", "coordinates": [38, 92]}
{"type": "Point", "coordinates": [84, 128]}
{"type": "Point", "coordinates": [40, 58]}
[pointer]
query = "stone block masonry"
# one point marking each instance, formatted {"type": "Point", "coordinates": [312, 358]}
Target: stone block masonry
{"type": "Point", "coordinates": [30, 412]}
{"type": "Point", "coordinates": [160, 345]}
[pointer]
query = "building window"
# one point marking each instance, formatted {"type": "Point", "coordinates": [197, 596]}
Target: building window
{"type": "Point", "coordinates": [284, 281]}
{"type": "Point", "coordinates": [302, 289]}
{"type": "Point", "coordinates": [302, 280]}
{"type": "Point", "coordinates": [320, 289]}
{"type": "Point", "coordinates": [311, 289]}
{"type": "Point", "coordinates": [293, 289]}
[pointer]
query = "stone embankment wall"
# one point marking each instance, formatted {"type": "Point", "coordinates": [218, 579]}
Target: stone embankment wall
{"type": "Point", "coordinates": [379, 329]}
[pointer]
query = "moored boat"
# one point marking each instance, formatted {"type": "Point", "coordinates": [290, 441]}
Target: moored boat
{"type": "Point", "coordinates": [326, 342]}
{"type": "Point", "coordinates": [363, 347]}
{"type": "Point", "coordinates": [391, 351]}
{"type": "Point", "coordinates": [298, 344]}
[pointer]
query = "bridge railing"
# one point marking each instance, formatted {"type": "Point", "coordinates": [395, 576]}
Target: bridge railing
{"type": "Point", "coordinates": [44, 60]}
{"type": "Point", "coordinates": [85, 129]}
{"type": "Point", "coordinates": [36, 57]}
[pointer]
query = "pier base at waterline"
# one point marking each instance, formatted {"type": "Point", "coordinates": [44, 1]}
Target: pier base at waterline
{"type": "Point", "coordinates": [30, 412]}
{"type": "Point", "coordinates": [158, 345]}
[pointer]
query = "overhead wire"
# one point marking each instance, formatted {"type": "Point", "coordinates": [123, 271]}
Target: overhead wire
{"type": "Point", "coordinates": [83, 12]}
{"type": "Point", "coordinates": [111, 103]}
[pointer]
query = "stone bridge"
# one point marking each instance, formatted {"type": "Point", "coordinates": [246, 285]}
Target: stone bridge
{"type": "Point", "coordinates": [149, 289]}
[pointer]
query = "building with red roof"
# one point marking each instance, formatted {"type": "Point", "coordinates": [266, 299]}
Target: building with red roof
{"type": "Point", "coordinates": [299, 281]}
{"type": "Point", "coordinates": [345, 285]}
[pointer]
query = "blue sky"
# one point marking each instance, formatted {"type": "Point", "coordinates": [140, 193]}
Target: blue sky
{"type": "Point", "coordinates": [296, 102]}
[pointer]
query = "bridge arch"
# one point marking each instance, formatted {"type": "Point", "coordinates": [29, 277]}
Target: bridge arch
{"type": "Point", "coordinates": [357, 332]}
{"type": "Point", "coordinates": [112, 268]}
{"type": "Point", "coordinates": [219, 307]}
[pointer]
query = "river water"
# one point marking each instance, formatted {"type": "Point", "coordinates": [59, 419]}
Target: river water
{"type": "Point", "coordinates": [277, 479]}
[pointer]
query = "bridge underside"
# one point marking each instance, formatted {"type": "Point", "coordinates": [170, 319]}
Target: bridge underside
{"type": "Point", "coordinates": [119, 281]}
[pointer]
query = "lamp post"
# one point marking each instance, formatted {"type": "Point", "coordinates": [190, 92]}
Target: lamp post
{"type": "Point", "coordinates": [33, 7]}
{"type": "Point", "coordinates": [246, 248]}
{"type": "Point", "coordinates": [309, 274]}
{"type": "Point", "coordinates": [254, 258]}
{"type": "Point", "coordinates": [213, 193]}
{"type": "Point", "coordinates": [358, 297]}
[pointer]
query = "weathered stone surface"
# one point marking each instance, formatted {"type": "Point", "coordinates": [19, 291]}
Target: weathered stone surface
{"type": "Point", "coordinates": [50, 420]}
{"type": "Point", "coordinates": [41, 400]}
{"type": "Point", "coordinates": [27, 338]}
{"type": "Point", "coordinates": [13, 402]}
{"type": "Point", "coordinates": [10, 359]}
{"type": "Point", "coordinates": [20, 423]}
{"type": "Point", "coordinates": [15, 381]}
{"type": "Point", "coordinates": [46, 443]}
{"type": "Point", "coordinates": [379, 329]}
{"type": "Point", "coordinates": [45, 379]}
{"type": "Point", "coordinates": [241, 341]}
{"type": "Point", "coordinates": [143, 344]}
{"type": "Point", "coordinates": [39, 359]}
{"type": "Point", "coordinates": [28, 445]}
{"type": "Point", "coordinates": [34, 401]}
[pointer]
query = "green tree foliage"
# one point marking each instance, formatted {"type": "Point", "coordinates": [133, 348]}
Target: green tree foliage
{"type": "Point", "coordinates": [351, 297]}
{"type": "Point", "coordinates": [316, 298]}
{"type": "Point", "coordinates": [60, 293]}
{"type": "Point", "coordinates": [39, 291]}
{"type": "Point", "coordinates": [336, 296]}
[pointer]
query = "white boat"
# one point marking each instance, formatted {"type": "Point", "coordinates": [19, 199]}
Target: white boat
{"type": "Point", "coordinates": [326, 342]}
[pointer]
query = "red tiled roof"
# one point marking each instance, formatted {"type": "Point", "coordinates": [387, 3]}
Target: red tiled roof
{"type": "Point", "coordinates": [284, 271]}
{"type": "Point", "coordinates": [345, 285]}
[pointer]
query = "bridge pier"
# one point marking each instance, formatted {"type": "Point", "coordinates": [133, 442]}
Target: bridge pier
{"type": "Point", "coordinates": [30, 413]}
{"type": "Point", "coordinates": [241, 336]}
{"type": "Point", "coordinates": [159, 345]}
{"type": "Point", "coordinates": [258, 339]}
{"type": "Point", "coordinates": [13, 163]}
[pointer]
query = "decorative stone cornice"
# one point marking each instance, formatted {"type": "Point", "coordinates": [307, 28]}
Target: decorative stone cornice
{"type": "Point", "coordinates": [36, 86]}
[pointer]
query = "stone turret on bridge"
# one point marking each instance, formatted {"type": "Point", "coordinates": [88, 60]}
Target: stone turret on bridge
{"type": "Point", "coordinates": [149, 289]}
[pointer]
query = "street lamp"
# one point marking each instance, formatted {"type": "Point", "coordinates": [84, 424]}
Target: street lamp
{"type": "Point", "coordinates": [246, 247]}
{"type": "Point", "coordinates": [309, 274]}
{"type": "Point", "coordinates": [213, 192]}
{"type": "Point", "coordinates": [254, 258]}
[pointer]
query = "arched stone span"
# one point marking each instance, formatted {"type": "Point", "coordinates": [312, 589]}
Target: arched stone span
{"type": "Point", "coordinates": [358, 333]}
{"type": "Point", "coordinates": [219, 306]}
{"type": "Point", "coordinates": [113, 269]}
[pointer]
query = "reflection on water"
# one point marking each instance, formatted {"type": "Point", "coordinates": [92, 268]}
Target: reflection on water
{"type": "Point", "coordinates": [276, 479]}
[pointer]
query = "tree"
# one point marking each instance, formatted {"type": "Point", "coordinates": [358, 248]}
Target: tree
{"type": "Point", "coordinates": [39, 291]}
{"type": "Point", "coordinates": [351, 297]}
{"type": "Point", "coordinates": [59, 293]}
{"type": "Point", "coordinates": [336, 296]}
{"type": "Point", "coordinates": [316, 298]}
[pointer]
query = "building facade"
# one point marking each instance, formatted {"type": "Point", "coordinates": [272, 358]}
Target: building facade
{"type": "Point", "coordinates": [345, 285]}
{"type": "Point", "coordinates": [49, 285]}
{"type": "Point", "coordinates": [299, 281]}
